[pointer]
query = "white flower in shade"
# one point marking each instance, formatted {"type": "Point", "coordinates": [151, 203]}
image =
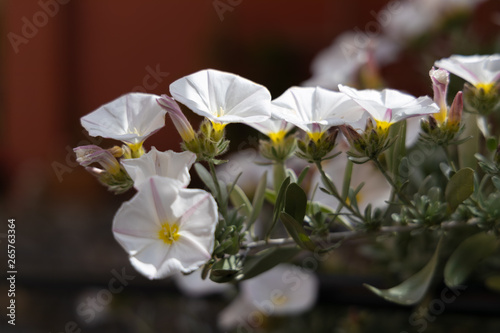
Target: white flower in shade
{"type": "Point", "coordinates": [283, 290]}
{"type": "Point", "coordinates": [166, 229]}
{"type": "Point", "coordinates": [275, 129]}
{"type": "Point", "coordinates": [342, 61]}
{"type": "Point", "coordinates": [483, 71]}
{"type": "Point", "coordinates": [376, 190]}
{"type": "Point", "coordinates": [193, 285]}
{"type": "Point", "coordinates": [315, 110]}
{"type": "Point", "coordinates": [131, 118]}
{"type": "Point", "coordinates": [223, 97]}
{"type": "Point", "coordinates": [389, 106]}
{"type": "Point", "coordinates": [166, 164]}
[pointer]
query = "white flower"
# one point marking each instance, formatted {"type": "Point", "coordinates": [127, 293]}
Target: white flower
{"type": "Point", "coordinates": [130, 118]}
{"type": "Point", "coordinates": [223, 97]}
{"type": "Point", "coordinates": [275, 129]}
{"type": "Point", "coordinates": [166, 229]}
{"type": "Point", "coordinates": [283, 290]}
{"type": "Point", "coordinates": [376, 190]}
{"type": "Point", "coordinates": [166, 164]}
{"type": "Point", "coordinates": [483, 71]}
{"type": "Point", "coordinates": [342, 60]}
{"type": "Point", "coordinates": [390, 106]}
{"type": "Point", "coordinates": [315, 110]}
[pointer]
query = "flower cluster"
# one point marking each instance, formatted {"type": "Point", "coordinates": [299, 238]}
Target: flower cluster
{"type": "Point", "coordinates": [167, 228]}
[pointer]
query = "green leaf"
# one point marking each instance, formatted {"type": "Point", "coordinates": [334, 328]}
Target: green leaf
{"type": "Point", "coordinates": [466, 257]}
{"type": "Point", "coordinates": [224, 270]}
{"type": "Point", "coordinates": [206, 178]}
{"type": "Point", "coordinates": [413, 289]}
{"type": "Point", "coordinates": [270, 196]}
{"type": "Point", "coordinates": [496, 182]}
{"type": "Point", "coordinates": [459, 188]}
{"type": "Point", "coordinates": [303, 175]}
{"type": "Point", "coordinates": [258, 199]}
{"type": "Point", "coordinates": [278, 206]}
{"type": "Point", "coordinates": [239, 199]}
{"type": "Point", "coordinates": [297, 232]}
{"type": "Point", "coordinates": [267, 259]}
{"type": "Point", "coordinates": [491, 143]}
{"type": "Point", "coordinates": [296, 202]}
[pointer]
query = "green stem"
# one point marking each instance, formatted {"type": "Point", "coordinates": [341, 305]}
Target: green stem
{"type": "Point", "coordinates": [279, 174]}
{"type": "Point", "coordinates": [467, 149]}
{"type": "Point", "coordinates": [394, 186]}
{"type": "Point", "coordinates": [331, 188]}
{"type": "Point", "coordinates": [220, 200]}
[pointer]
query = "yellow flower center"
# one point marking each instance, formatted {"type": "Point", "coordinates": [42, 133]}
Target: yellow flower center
{"type": "Point", "coordinates": [315, 136]}
{"type": "Point", "coordinates": [279, 299]}
{"type": "Point", "coordinates": [276, 137]}
{"type": "Point", "coordinates": [218, 127]}
{"type": "Point", "coordinates": [487, 87]}
{"type": "Point", "coordinates": [383, 126]}
{"type": "Point", "coordinates": [136, 149]}
{"type": "Point", "coordinates": [441, 115]}
{"type": "Point", "coordinates": [359, 198]}
{"type": "Point", "coordinates": [169, 233]}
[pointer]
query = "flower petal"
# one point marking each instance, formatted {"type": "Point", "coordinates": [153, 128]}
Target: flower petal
{"type": "Point", "coordinates": [130, 118]}
{"type": "Point", "coordinates": [223, 97]}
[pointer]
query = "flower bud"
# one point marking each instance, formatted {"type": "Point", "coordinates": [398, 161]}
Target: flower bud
{"type": "Point", "coordinates": [178, 118]}
{"type": "Point", "coordinates": [440, 80]}
{"type": "Point", "coordinates": [455, 116]}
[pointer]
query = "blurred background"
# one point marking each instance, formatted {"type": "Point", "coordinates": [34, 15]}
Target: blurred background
{"type": "Point", "coordinates": [61, 59]}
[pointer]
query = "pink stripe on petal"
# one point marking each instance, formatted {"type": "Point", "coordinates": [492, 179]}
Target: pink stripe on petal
{"type": "Point", "coordinates": [193, 208]}
{"type": "Point", "coordinates": [388, 115]}
{"type": "Point", "coordinates": [160, 211]}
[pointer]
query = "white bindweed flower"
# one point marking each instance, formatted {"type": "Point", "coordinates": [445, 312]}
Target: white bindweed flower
{"type": "Point", "coordinates": [483, 71]}
{"type": "Point", "coordinates": [275, 129]}
{"type": "Point", "coordinates": [166, 229]}
{"type": "Point", "coordinates": [284, 290]}
{"type": "Point", "coordinates": [223, 97]}
{"type": "Point", "coordinates": [389, 106]}
{"type": "Point", "coordinates": [166, 164]}
{"type": "Point", "coordinates": [131, 118]}
{"type": "Point", "coordinates": [344, 59]}
{"type": "Point", "coordinates": [315, 110]}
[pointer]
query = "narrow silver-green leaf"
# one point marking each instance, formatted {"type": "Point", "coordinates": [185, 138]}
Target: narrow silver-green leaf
{"type": "Point", "coordinates": [206, 178]}
{"type": "Point", "coordinates": [239, 199]}
{"type": "Point", "coordinates": [278, 206]}
{"type": "Point", "coordinates": [258, 199]}
{"type": "Point", "coordinates": [459, 188]}
{"type": "Point", "coordinates": [413, 289]}
{"type": "Point", "coordinates": [267, 259]}
{"type": "Point", "coordinates": [467, 256]}
{"type": "Point", "coordinates": [296, 202]}
{"type": "Point", "coordinates": [297, 232]}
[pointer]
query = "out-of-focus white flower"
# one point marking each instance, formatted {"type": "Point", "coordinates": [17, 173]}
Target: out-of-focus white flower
{"type": "Point", "coordinates": [166, 229]}
{"type": "Point", "coordinates": [483, 71]}
{"type": "Point", "coordinates": [315, 110]}
{"type": "Point", "coordinates": [275, 129]}
{"type": "Point", "coordinates": [390, 106]}
{"type": "Point", "coordinates": [350, 51]}
{"type": "Point", "coordinates": [376, 190]}
{"type": "Point", "coordinates": [131, 118]}
{"type": "Point", "coordinates": [193, 285]}
{"type": "Point", "coordinates": [406, 20]}
{"type": "Point", "coordinates": [223, 97]}
{"type": "Point", "coordinates": [283, 290]}
{"type": "Point", "coordinates": [166, 164]}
